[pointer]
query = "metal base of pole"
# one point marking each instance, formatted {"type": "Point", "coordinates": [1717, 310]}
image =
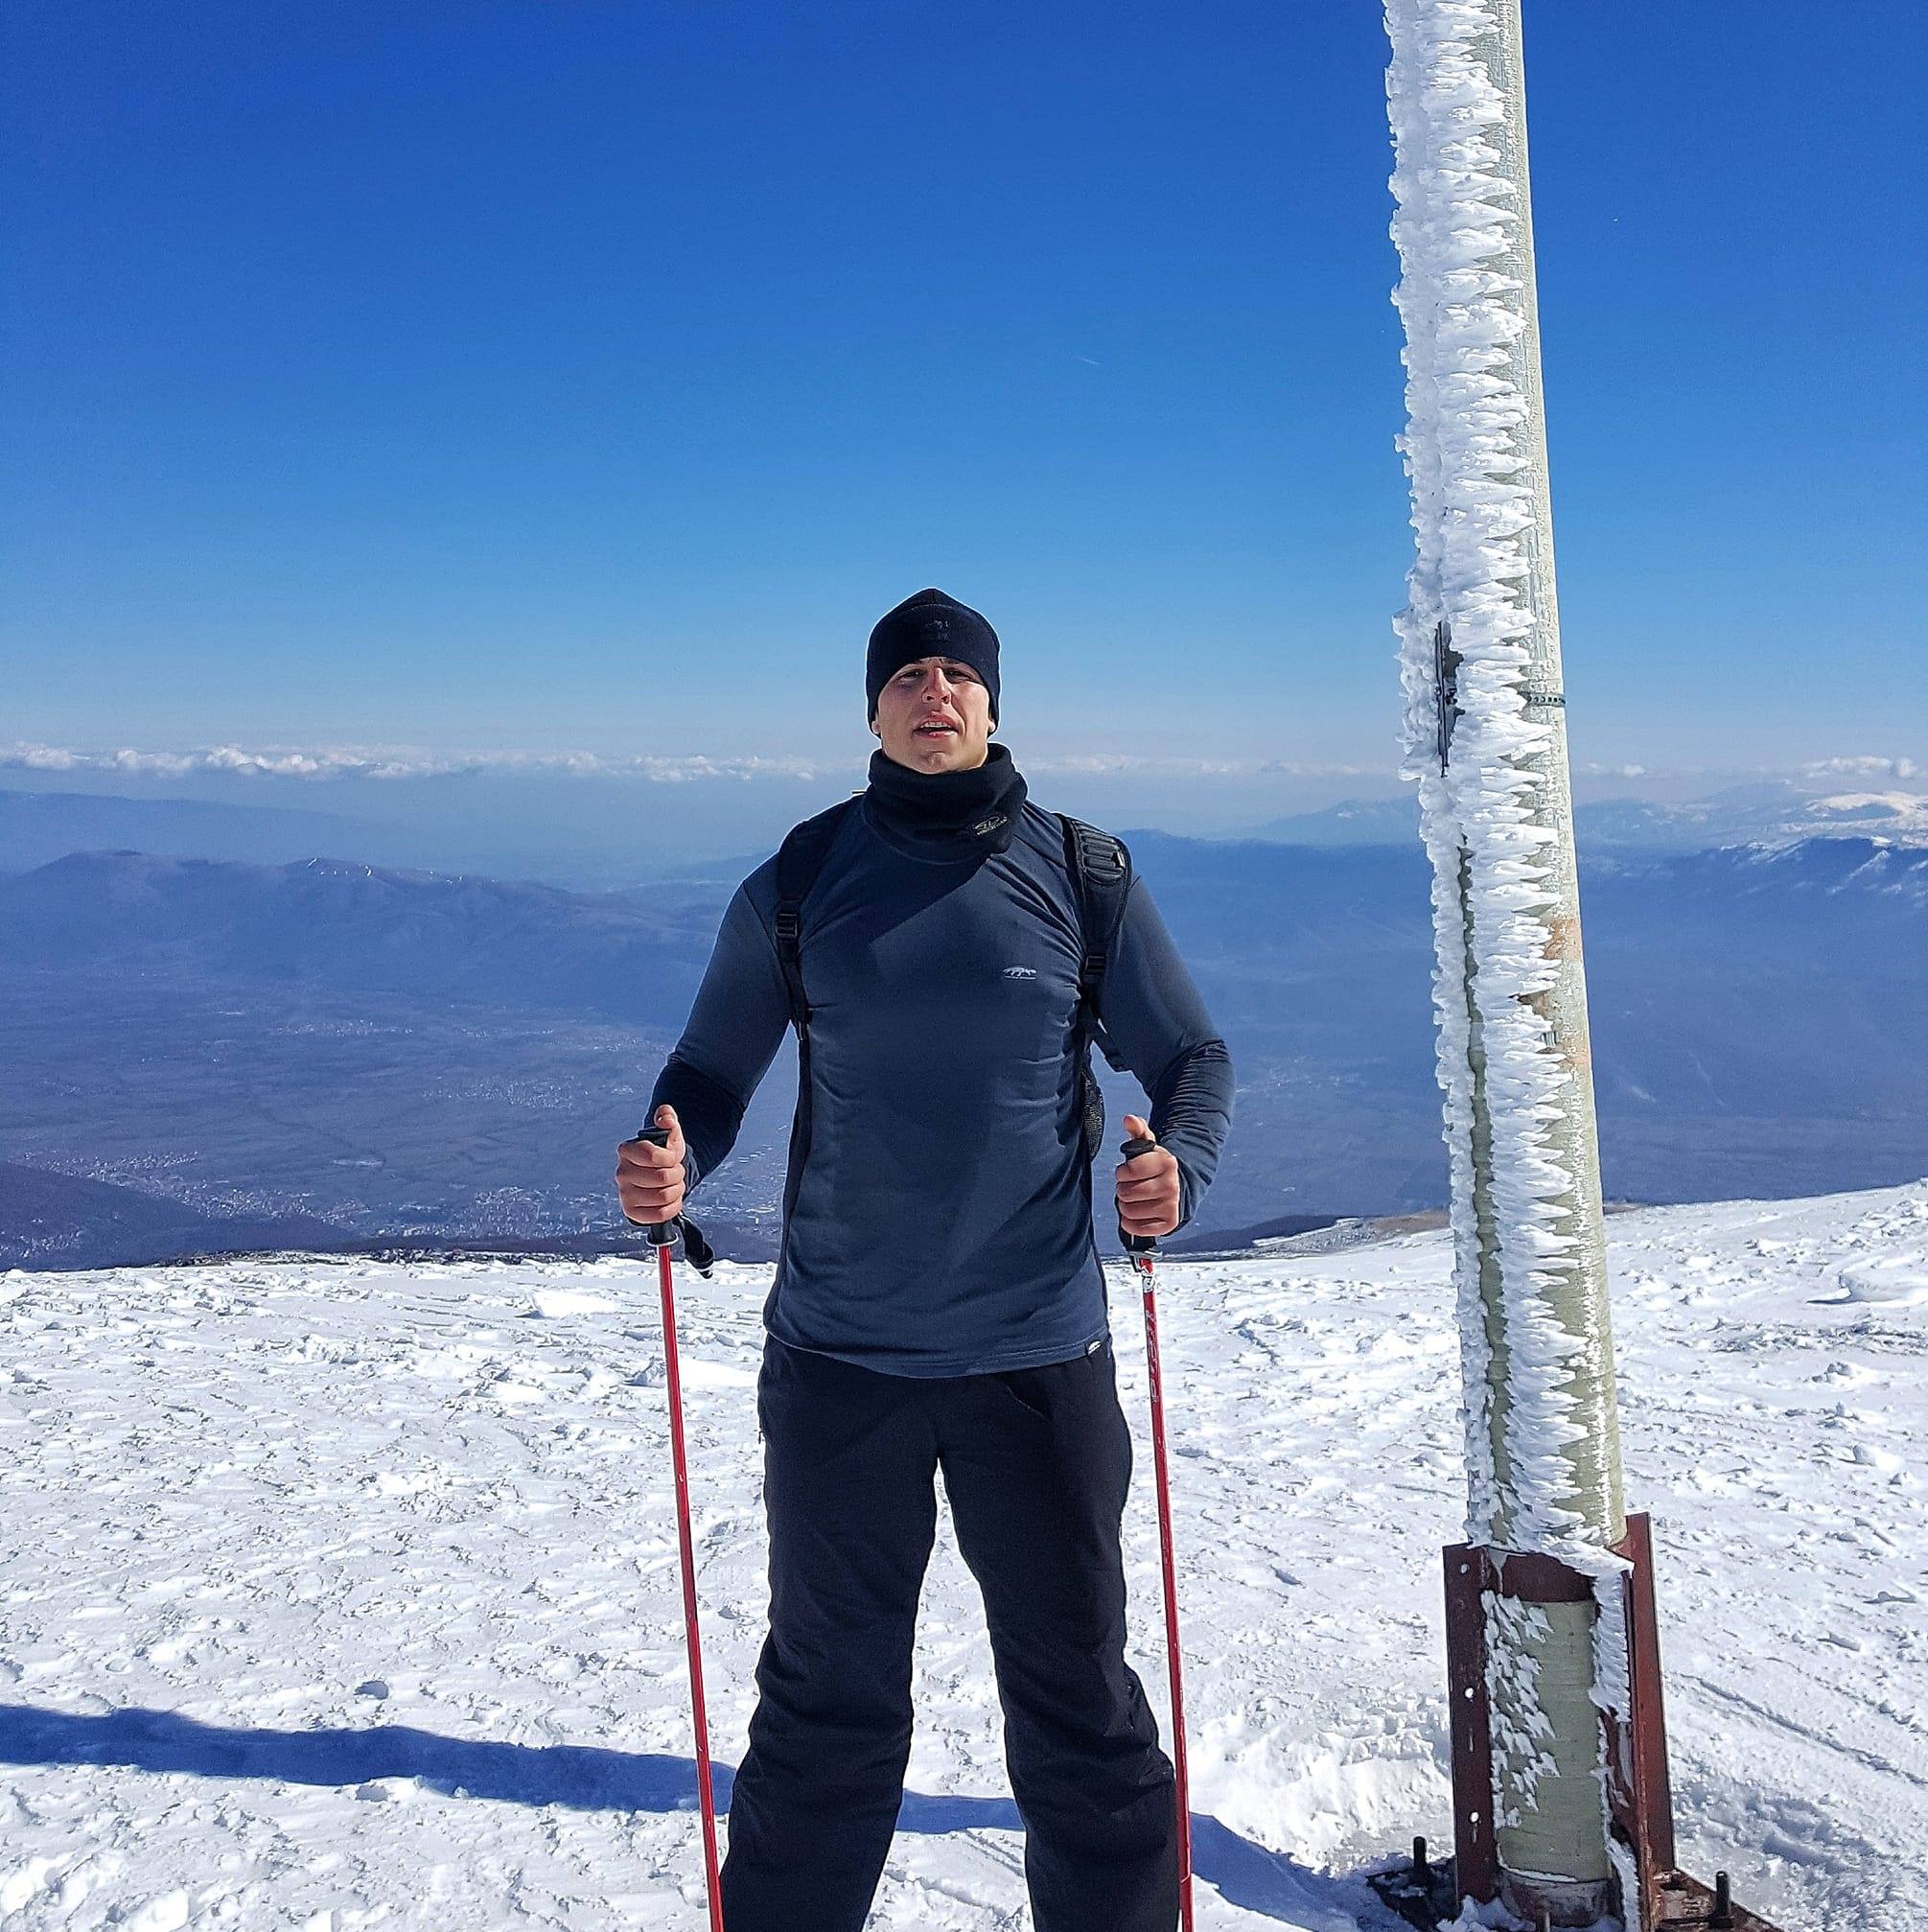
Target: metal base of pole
{"type": "Point", "coordinates": [1640, 1798]}
{"type": "Point", "coordinates": [1426, 1895]}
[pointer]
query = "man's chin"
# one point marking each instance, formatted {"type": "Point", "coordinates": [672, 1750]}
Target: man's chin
{"type": "Point", "coordinates": [949, 756]}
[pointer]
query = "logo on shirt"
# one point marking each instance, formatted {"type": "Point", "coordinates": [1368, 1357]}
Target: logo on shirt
{"type": "Point", "coordinates": [990, 824]}
{"type": "Point", "coordinates": [1020, 973]}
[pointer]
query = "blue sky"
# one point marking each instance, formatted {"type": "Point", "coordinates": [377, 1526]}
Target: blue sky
{"type": "Point", "coordinates": [526, 377]}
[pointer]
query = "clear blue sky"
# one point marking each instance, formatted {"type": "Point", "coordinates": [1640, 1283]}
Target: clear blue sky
{"type": "Point", "coordinates": [589, 376]}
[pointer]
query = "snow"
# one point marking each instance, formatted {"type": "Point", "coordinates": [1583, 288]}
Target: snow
{"type": "Point", "coordinates": [342, 1593]}
{"type": "Point", "coordinates": [1902, 815]}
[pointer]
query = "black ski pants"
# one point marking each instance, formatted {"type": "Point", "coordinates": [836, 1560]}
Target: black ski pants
{"type": "Point", "coordinates": [1035, 1463]}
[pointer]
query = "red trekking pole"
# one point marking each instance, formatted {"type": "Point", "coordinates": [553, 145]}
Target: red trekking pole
{"type": "Point", "coordinates": [661, 1236]}
{"type": "Point", "coordinates": [1142, 1249]}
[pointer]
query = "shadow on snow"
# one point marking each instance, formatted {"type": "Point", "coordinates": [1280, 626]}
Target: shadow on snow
{"type": "Point", "coordinates": [577, 1775]}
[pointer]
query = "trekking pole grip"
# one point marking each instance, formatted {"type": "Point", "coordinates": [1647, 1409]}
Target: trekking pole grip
{"type": "Point", "coordinates": [658, 1233]}
{"type": "Point", "coordinates": [1137, 1243]}
{"type": "Point", "coordinates": [696, 1248]}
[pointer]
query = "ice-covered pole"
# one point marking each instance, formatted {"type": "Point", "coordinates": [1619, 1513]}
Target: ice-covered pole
{"type": "Point", "coordinates": [1485, 738]}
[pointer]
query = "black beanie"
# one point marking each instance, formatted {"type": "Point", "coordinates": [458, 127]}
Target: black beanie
{"type": "Point", "coordinates": [930, 625]}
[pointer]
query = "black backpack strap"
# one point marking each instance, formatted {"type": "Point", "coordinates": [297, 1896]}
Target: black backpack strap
{"type": "Point", "coordinates": [800, 858]}
{"type": "Point", "coordinates": [1100, 877]}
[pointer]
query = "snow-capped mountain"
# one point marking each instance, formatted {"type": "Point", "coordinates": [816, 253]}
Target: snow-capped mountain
{"type": "Point", "coordinates": [1776, 811]}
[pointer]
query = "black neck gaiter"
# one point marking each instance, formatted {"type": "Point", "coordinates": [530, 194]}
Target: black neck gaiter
{"type": "Point", "coordinates": [945, 815]}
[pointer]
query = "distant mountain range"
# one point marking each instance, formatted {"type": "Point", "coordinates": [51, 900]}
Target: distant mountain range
{"type": "Point", "coordinates": [361, 928]}
{"type": "Point", "coordinates": [1768, 813]}
{"type": "Point", "coordinates": [38, 826]}
{"type": "Point", "coordinates": [397, 1054]}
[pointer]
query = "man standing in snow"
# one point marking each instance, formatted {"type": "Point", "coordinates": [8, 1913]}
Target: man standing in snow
{"type": "Point", "coordinates": [939, 1302]}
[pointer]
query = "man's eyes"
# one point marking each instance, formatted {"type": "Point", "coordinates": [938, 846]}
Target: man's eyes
{"type": "Point", "coordinates": [956, 673]}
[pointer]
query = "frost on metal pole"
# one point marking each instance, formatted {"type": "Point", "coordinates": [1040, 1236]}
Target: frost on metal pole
{"type": "Point", "coordinates": [1485, 738]}
{"type": "Point", "coordinates": [1560, 1805]}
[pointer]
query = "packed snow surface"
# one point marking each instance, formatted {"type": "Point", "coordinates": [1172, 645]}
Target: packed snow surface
{"type": "Point", "coordinates": [340, 1593]}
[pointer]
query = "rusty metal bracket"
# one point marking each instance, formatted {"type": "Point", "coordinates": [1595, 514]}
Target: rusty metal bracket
{"type": "Point", "coordinates": [1640, 1798]}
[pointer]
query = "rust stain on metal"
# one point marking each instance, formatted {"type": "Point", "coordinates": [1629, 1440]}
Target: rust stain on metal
{"type": "Point", "coordinates": [1563, 936]}
{"type": "Point", "coordinates": [1571, 1046]}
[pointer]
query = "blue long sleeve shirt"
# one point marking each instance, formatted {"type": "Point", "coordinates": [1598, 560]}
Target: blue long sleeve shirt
{"type": "Point", "coordinates": [938, 1199]}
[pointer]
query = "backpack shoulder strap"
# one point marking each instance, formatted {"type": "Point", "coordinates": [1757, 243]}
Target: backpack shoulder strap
{"type": "Point", "coordinates": [799, 859]}
{"type": "Point", "coordinates": [1100, 877]}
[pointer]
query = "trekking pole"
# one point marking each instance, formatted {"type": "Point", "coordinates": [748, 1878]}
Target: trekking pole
{"type": "Point", "coordinates": [1142, 1249]}
{"type": "Point", "coordinates": [661, 1237]}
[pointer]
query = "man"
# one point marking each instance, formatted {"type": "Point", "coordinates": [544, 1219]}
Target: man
{"type": "Point", "coordinates": [939, 1302]}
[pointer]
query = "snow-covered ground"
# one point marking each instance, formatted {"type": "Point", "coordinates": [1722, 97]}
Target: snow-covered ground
{"type": "Point", "coordinates": [336, 1594]}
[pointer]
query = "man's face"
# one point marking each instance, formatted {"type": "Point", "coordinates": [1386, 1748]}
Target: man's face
{"type": "Point", "coordinates": [934, 715]}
